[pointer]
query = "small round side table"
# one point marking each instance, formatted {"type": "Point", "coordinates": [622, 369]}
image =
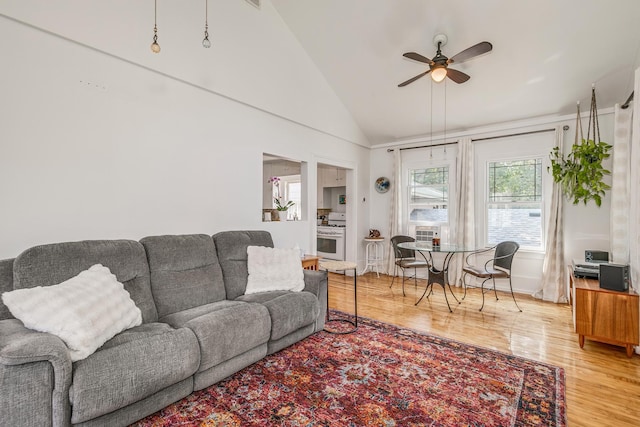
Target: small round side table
{"type": "Point", "coordinates": [374, 254]}
{"type": "Point", "coordinates": [327, 264]}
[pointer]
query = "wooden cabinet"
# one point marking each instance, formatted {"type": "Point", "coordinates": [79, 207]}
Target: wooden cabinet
{"type": "Point", "coordinates": [604, 315]}
{"type": "Point", "coordinates": [310, 262]}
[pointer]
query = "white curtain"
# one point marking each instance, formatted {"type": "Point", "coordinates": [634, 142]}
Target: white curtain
{"type": "Point", "coordinates": [554, 286]}
{"type": "Point", "coordinates": [463, 226]}
{"type": "Point", "coordinates": [620, 190]}
{"type": "Point", "coordinates": [634, 198]}
{"type": "Point", "coordinates": [396, 217]}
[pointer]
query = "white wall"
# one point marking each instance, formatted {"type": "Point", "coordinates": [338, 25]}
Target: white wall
{"type": "Point", "coordinates": [99, 141]}
{"type": "Point", "coordinates": [585, 227]}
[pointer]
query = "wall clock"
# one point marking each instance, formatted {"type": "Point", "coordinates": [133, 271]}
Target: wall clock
{"type": "Point", "coordinates": [382, 184]}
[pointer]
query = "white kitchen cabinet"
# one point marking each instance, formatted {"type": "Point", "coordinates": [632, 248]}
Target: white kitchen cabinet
{"type": "Point", "coordinates": [332, 177]}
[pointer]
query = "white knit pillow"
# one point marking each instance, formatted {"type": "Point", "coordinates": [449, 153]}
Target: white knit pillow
{"type": "Point", "coordinates": [274, 269]}
{"type": "Point", "coordinates": [84, 311]}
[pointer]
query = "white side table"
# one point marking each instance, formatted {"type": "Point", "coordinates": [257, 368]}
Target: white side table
{"type": "Point", "coordinates": [374, 255]}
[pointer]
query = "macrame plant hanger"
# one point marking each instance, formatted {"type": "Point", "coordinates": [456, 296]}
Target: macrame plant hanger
{"type": "Point", "coordinates": [579, 134]}
{"type": "Point", "coordinates": [593, 117]}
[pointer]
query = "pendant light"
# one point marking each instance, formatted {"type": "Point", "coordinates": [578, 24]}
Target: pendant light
{"type": "Point", "coordinates": [155, 47]}
{"type": "Point", "coordinates": [205, 42]}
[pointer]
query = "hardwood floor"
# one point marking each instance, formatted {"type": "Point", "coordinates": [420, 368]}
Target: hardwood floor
{"type": "Point", "coordinates": [602, 384]}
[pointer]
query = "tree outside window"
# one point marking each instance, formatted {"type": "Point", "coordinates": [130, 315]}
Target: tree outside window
{"type": "Point", "coordinates": [514, 205]}
{"type": "Point", "coordinates": [429, 195]}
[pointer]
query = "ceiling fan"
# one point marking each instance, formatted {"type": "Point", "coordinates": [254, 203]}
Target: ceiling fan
{"type": "Point", "coordinates": [439, 65]}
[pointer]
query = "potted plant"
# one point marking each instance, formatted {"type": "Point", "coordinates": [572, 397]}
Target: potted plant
{"type": "Point", "coordinates": [581, 173]}
{"type": "Point", "coordinates": [282, 209]}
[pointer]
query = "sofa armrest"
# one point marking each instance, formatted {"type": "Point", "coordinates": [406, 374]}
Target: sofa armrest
{"type": "Point", "coordinates": [19, 345]}
{"type": "Point", "coordinates": [26, 351]}
{"type": "Point", "coordinates": [316, 282]}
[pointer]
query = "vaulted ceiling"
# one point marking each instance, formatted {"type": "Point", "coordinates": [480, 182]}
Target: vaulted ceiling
{"type": "Point", "coordinates": [546, 56]}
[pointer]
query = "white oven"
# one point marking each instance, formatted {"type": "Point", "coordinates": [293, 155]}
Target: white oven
{"type": "Point", "coordinates": [331, 242]}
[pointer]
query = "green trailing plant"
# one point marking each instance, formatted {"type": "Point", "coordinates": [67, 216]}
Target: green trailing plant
{"type": "Point", "coordinates": [281, 207]}
{"type": "Point", "coordinates": [581, 174]}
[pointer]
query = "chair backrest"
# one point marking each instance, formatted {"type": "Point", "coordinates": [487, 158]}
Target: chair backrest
{"type": "Point", "coordinates": [504, 253]}
{"type": "Point", "coordinates": [399, 252]}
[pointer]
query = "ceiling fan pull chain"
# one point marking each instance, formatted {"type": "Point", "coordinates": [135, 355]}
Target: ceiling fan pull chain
{"type": "Point", "coordinates": [445, 116]}
{"type": "Point", "coordinates": [431, 121]}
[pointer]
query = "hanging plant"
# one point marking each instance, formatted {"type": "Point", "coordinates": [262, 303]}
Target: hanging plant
{"type": "Point", "coordinates": [581, 174]}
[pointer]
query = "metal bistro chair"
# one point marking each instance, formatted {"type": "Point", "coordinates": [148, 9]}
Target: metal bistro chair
{"type": "Point", "coordinates": [405, 259]}
{"type": "Point", "coordinates": [499, 267]}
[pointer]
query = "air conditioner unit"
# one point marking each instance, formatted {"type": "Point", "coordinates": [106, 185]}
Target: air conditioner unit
{"type": "Point", "coordinates": [424, 233]}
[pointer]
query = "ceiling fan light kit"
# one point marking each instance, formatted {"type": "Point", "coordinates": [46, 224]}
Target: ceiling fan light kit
{"type": "Point", "coordinates": [439, 65]}
{"type": "Point", "coordinates": [438, 74]}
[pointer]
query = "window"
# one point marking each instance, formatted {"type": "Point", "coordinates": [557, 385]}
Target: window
{"type": "Point", "coordinates": [292, 190]}
{"type": "Point", "coordinates": [428, 180]}
{"type": "Point", "coordinates": [429, 194]}
{"type": "Point", "coordinates": [514, 203]}
{"type": "Point", "coordinates": [512, 189]}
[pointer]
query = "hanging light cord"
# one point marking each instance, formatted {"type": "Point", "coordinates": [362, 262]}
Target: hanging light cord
{"type": "Point", "coordinates": [445, 116]}
{"type": "Point", "coordinates": [155, 21]}
{"type": "Point", "coordinates": [431, 121]}
{"type": "Point", "coordinates": [206, 18]}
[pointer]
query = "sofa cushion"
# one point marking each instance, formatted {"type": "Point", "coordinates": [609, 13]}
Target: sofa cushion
{"type": "Point", "coordinates": [185, 272]}
{"type": "Point", "coordinates": [273, 269]}
{"type": "Point", "coordinates": [84, 311]}
{"type": "Point", "coordinates": [224, 329]}
{"type": "Point", "coordinates": [51, 264]}
{"type": "Point", "coordinates": [232, 255]}
{"type": "Point", "coordinates": [131, 366]}
{"type": "Point", "coordinates": [289, 311]}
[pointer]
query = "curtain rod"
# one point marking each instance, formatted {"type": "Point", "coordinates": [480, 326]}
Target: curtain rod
{"type": "Point", "coordinates": [389, 150]}
{"type": "Point", "coordinates": [565, 127]}
{"type": "Point", "coordinates": [626, 104]}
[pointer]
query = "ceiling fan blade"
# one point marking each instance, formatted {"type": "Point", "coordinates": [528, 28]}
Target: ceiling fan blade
{"type": "Point", "coordinates": [413, 79]}
{"type": "Point", "coordinates": [417, 57]}
{"type": "Point", "coordinates": [457, 76]}
{"type": "Point", "coordinates": [478, 49]}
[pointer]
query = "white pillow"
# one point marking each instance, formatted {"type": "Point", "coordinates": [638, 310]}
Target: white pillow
{"type": "Point", "coordinates": [274, 269]}
{"type": "Point", "coordinates": [84, 311]}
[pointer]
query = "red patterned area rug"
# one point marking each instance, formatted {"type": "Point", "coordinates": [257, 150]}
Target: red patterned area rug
{"type": "Point", "coordinates": [381, 375]}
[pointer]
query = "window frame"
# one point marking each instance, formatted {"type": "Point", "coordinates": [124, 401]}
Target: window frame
{"type": "Point", "coordinates": [427, 159]}
{"type": "Point", "coordinates": [488, 202]}
{"type": "Point", "coordinates": [517, 147]}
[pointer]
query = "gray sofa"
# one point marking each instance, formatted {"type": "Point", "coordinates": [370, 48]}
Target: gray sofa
{"type": "Point", "coordinates": [198, 327]}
